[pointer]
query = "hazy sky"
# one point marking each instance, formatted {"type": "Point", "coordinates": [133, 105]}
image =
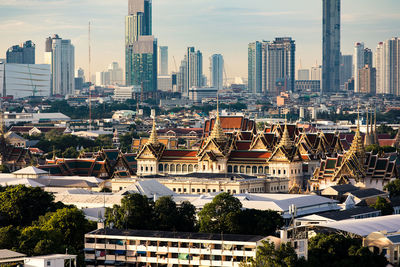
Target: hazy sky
{"type": "Point", "coordinates": [213, 26]}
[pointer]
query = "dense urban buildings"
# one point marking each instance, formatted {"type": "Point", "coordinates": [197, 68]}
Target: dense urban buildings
{"type": "Point", "coordinates": [21, 54]}
{"type": "Point", "coordinates": [113, 75]}
{"type": "Point", "coordinates": [217, 71]}
{"type": "Point", "coordinates": [60, 55]}
{"type": "Point", "coordinates": [25, 80]}
{"type": "Point", "coordinates": [272, 66]}
{"type": "Point", "coordinates": [331, 46]}
{"type": "Point", "coordinates": [140, 46]}
{"type": "Point", "coordinates": [346, 69]}
{"type": "Point", "coordinates": [190, 71]}
{"type": "Point", "coordinates": [367, 80]}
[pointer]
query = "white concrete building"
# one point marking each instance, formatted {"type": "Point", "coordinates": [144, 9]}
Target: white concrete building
{"type": "Point", "coordinates": [123, 92]}
{"type": "Point", "coordinates": [56, 260]}
{"type": "Point", "coordinates": [23, 80]}
{"type": "Point", "coordinates": [60, 54]}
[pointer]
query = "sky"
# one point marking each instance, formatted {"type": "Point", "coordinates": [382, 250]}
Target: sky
{"type": "Point", "coordinates": [213, 26]}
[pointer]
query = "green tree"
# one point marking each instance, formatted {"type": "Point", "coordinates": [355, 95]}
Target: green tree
{"type": "Point", "coordinates": [135, 212]}
{"type": "Point", "coordinates": [259, 222]}
{"type": "Point", "coordinates": [104, 141]}
{"type": "Point", "coordinates": [339, 250]}
{"type": "Point", "coordinates": [9, 237]}
{"type": "Point", "coordinates": [187, 217]}
{"type": "Point", "coordinates": [393, 188]}
{"type": "Point", "coordinates": [37, 241]}
{"type": "Point", "coordinates": [166, 214]}
{"type": "Point", "coordinates": [268, 256]}
{"type": "Point", "coordinates": [70, 153]}
{"type": "Point", "coordinates": [21, 205]}
{"type": "Point", "coordinates": [4, 169]}
{"type": "Point", "coordinates": [383, 205]}
{"type": "Point", "coordinates": [220, 215]}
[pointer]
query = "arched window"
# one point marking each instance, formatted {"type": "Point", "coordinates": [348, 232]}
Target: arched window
{"type": "Point", "coordinates": [196, 167]}
{"type": "Point", "coordinates": [178, 168]}
{"type": "Point", "coordinates": [147, 169]}
{"type": "Point", "coordinates": [260, 170]}
{"type": "Point", "coordinates": [242, 170]}
{"type": "Point", "coordinates": [166, 168]}
{"type": "Point", "coordinates": [160, 167]}
{"type": "Point", "coordinates": [273, 171]}
{"type": "Point", "coordinates": [190, 168]}
{"type": "Point", "coordinates": [284, 171]}
{"type": "Point", "coordinates": [279, 171]}
{"type": "Point", "coordinates": [266, 170]}
{"type": "Point", "coordinates": [229, 169]}
{"type": "Point", "coordinates": [235, 169]}
{"type": "Point", "coordinates": [184, 168]}
{"type": "Point", "coordinates": [254, 170]}
{"type": "Point", "coordinates": [248, 169]}
{"type": "Point", "coordinates": [172, 167]}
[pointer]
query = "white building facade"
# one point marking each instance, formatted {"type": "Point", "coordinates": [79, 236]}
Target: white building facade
{"type": "Point", "coordinates": [24, 80]}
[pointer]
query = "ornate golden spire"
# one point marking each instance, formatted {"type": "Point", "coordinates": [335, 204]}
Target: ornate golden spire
{"type": "Point", "coordinates": [357, 146]}
{"type": "Point", "coordinates": [153, 139]}
{"type": "Point", "coordinates": [285, 141]}
{"type": "Point", "coordinates": [217, 131]}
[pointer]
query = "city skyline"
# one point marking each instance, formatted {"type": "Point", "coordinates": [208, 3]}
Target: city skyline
{"type": "Point", "coordinates": [301, 21]}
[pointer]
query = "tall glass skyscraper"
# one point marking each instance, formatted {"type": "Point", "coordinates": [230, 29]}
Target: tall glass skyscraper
{"type": "Point", "coordinates": [193, 70]}
{"type": "Point", "coordinates": [255, 67]}
{"type": "Point", "coordinates": [140, 46]}
{"type": "Point", "coordinates": [163, 61]}
{"type": "Point", "coordinates": [217, 71]}
{"type": "Point", "coordinates": [331, 46]}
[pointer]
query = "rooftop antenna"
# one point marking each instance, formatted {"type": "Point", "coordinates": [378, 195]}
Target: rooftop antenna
{"type": "Point", "coordinates": [90, 84]}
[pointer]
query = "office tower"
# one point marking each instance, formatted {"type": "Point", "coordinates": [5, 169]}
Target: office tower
{"type": "Point", "coordinates": [60, 54]}
{"type": "Point", "coordinates": [181, 76]}
{"type": "Point", "coordinates": [303, 74]}
{"type": "Point", "coordinates": [140, 46]}
{"type": "Point", "coordinates": [331, 46]}
{"type": "Point", "coordinates": [80, 73]}
{"type": "Point", "coordinates": [142, 63]}
{"type": "Point", "coordinates": [388, 67]}
{"type": "Point", "coordinates": [21, 54]}
{"type": "Point", "coordinates": [367, 57]}
{"type": "Point", "coordinates": [163, 61]}
{"type": "Point", "coordinates": [217, 71]}
{"type": "Point", "coordinates": [278, 65]}
{"type": "Point", "coordinates": [116, 73]}
{"type": "Point", "coordinates": [346, 69]}
{"type": "Point", "coordinates": [255, 67]}
{"type": "Point", "coordinates": [367, 80]}
{"type": "Point", "coordinates": [358, 63]}
{"type": "Point", "coordinates": [193, 71]}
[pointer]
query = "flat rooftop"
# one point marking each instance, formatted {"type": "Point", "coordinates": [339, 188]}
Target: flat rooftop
{"type": "Point", "coordinates": [177, 235]}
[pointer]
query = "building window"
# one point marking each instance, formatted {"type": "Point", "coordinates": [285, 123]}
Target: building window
{"type": "Point", "coordinates": [179, 190]}
{"type": "Point", "coordinates": [204, 190]}
{"type": "Point", "coordinates": [234, 191]}
{"type": "Point", "coordinates": [279, 171]}
{"type": "Point", "coordinates": [273, 171]}
{"type": "Point", "coordinates": [184, 190]}
{"type": "Point", "coordinates": [284, 171]}
{"type": "Point", "coordinates": [198, 190]}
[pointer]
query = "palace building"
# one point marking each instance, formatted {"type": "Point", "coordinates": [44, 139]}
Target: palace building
{"type": "Point", "coordinates": [356, 167]}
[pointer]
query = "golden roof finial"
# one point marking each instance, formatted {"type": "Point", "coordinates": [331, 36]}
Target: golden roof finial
{"type": "Point", "coordinates": [285, 141]}
{"type": "Point", "coordinates": [153, 139]}
{"type": "Point", "coordinates": [217, 131]}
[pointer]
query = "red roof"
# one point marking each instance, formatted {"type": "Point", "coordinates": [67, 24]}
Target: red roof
{"type": "Point", "coordinates": [386, 142]}
{"type": "Point", "coordinates": [243, 145]}
{"type": "Point", "coordinates": [251, 154]}
{"type": "Point", "coordinates": [180, 153]}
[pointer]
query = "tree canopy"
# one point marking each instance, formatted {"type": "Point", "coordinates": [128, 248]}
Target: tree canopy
{"type": "Point", "coordinates": [393, 188]}
{"type": "Point", "coordinates": [383, 205]}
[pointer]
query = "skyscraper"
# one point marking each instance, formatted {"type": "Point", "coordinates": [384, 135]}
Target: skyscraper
{"type": "Point", "coordinates": [60, 54]}
{"type": "Point", "coordinates": [163, 61]}
{"type": "Point", "coordinates": [193, 71]}
{"type": "Point", "coordinates": [358, 63]}
{"type": "Point", "coordinates": [140, 46]}
{"type": "Point", "coordinates": [331, 46]}
{"type": "Point", "coordinates": [255, 67]}
{"type": "Point", "coordinates": [388, 67]}
{"type": "Point", "coordinates": [272, 66]}
{"type": "Point", "coordinates": [367, 80]}
{"type": "Point", "coordinates": [217, 71]}
{"type": "Point", "coordinates": [368, 57]}
{"type": "Point", "coordinates": [21, 54]}
{"type": "Point", "coordinates": [316, 74]}
{"type": "Point", "coordinates": [346, 69]}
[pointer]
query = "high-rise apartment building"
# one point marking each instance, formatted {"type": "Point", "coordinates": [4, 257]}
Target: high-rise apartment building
{"type": "Point", "coordinates": [367, 80]}
{"type": "Point", "coordinates": [331, 46]}
{"type": "Point", "coordinates": [80, 73]}
{"type": "Point", "coordinates": [193, 71]}
{"type": "Point", "coordinates": [387, 62]}
{"type": "Point", "coordinates": [346, 69]}
{"type": "Point", "coordinates": [368, 57]}
{"type": "Point", "coordinates": [362, 57]}
{"type": "Point", "coordinates": [21, 54]}
{"type": "Point", "coordinates": [316, 74]}
{"type": "Point", "coordinates": [303, 74]}
{"type": "Point", "coordinates": [255, 67]}
{"type": "Point", "coordinates": [163, 61]}
{"type": "Point", "coordinates": [217, 71]}
{"type": "Point", "coordinates": [272, 66]}
{"type": "Point", "coordinates": [140, 46]}
{"type": "Point", "coordinates": [60, 54]}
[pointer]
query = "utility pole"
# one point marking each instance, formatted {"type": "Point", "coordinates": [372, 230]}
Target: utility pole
{"type": "Point", "coordinates": [90, 85]}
